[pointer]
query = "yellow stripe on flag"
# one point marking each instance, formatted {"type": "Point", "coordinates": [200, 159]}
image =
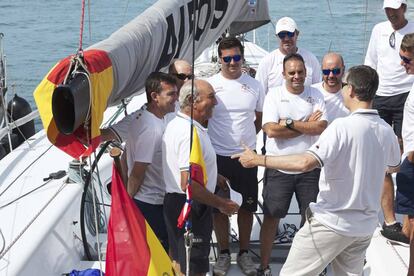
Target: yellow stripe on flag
{"type": "Point", "coordinates": [160, 263]}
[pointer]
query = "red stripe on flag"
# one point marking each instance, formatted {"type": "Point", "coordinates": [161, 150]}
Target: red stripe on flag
{"type": "Point", "coordinates": [127, 251]}
{"type": "Point", "coordinates": [197, 173]}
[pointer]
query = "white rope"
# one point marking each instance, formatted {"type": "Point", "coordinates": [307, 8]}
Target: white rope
{"type": "Point", "coordinates": [32, 221]}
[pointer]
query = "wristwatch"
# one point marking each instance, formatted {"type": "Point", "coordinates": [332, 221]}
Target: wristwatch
{"type": "Point", "coordinates": [289, 123]}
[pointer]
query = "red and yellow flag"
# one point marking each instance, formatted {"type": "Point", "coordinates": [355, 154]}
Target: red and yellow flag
{"type": "Point", "coordinates": [198, 174]}
{"type": "Point", "coordinates": [133, 248]}
{"type": "Point", "coordinates": [101, 75]}
{"type": "Point", "coordinates": [197, 164]}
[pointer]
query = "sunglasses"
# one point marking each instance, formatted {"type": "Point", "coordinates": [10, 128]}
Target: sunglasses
{"type": "Point", "coordinates": [182, 76]}
{"type": "Point", "coordinates": [405, 59]}
{"type": "Point", "coordinates": [391, 40]}
{"type": "Point", "coordinates": [335, 71]}
{"type": "Point", "coordinates": [228, 59]}
{"type": "Point", "coordinates": [282, 35]}
{"type": "Point", "coordinates": [344, 84]}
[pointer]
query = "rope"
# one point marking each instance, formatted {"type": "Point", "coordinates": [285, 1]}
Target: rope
{"type": "Point", "coordinates": [398, 254]}
{"type": "Point", "coordinates": [31, 221]}
{"type": "Point", "coordinates": [25, 170]}
{"type": "Point", "coordinates": [81, 27]}
{"type": "Point", "coordinates": [365, 31]}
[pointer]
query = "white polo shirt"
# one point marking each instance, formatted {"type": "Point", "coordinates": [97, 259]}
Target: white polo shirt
{"type": "Point", "coordinates": [144, 145]}
{"type": "Point", "coordinates": [176, 153]}
{"type": "Point", "coordinates": [121, 128]}
{"type": "Point", "coordinates": [354, 153]}
{"type": "Point", "coordinates": [408, 123]}
{"type": "Point", "coordinates": [393, 79]}
{"type": "Point", "coordinates": [334, 103]}
{"type": "Point", "coordinates": [233, 117]}
{"type": "Point", "coordinates": [269, 72]}
{"type": "Point", "coordinates": [281, 104]}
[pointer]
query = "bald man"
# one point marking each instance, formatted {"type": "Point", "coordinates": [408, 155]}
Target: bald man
{"type": "Point", "coordinates": [181, 70]}
{"type": "Point", "coordinates": [333, 69]}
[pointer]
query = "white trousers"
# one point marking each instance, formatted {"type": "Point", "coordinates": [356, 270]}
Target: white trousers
{"type": "Point", "coordinates": [315, 246]}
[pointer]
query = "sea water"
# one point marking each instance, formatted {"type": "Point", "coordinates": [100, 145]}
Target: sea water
{"type": "Point", "coordinates": [38, 33]}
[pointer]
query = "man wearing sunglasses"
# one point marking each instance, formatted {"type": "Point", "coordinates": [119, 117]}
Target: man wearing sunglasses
{"type": "Point", "coordinates": [333, 70]}
{"type": "Point", "coordinates": [236, 120]}
{"type": "Point", "coordinates": [293, 115]}
{"type": "Point", "coordinates": [269, 72]}
{"type": "Point", "coordinates": [181, 70]}
{"type": "Point", "coordinates": [351, 151]}
{"type": "Point", "coordinates": [394, 84]}
{"type": "Point", "coordinates": [404, 200]}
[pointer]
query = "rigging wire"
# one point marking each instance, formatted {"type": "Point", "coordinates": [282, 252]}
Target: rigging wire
{"type": "Point", "coordinates": [365, 32]}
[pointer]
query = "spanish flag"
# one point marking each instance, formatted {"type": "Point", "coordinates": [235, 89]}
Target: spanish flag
{"type": "Point", "coordinates": [198, 173]}
{"type": "Point", "coordinates": [133, 248]}
{"type": "Point", "coordinates": [101, 75]}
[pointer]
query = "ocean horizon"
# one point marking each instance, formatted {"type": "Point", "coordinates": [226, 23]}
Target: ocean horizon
{"type": "Point", "coordinates": [38, 33]}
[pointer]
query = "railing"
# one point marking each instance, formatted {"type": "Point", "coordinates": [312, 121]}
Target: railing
{"type": "Point", "coordinates": [14, 124]}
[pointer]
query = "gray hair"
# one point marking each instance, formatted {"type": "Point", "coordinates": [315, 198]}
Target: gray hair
{"type": "Point", "coordinates": [185, 93]}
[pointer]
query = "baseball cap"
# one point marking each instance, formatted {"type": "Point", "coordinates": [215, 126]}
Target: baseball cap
{"type": "Point", "coordinates": [393, 4]}
{"type": "Point", "coordinates": [286, 24]}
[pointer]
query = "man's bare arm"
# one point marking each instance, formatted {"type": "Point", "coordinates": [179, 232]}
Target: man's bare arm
{"type": "Point", "coordinates": [310, 127]}
{"type": "Point", "coordinates": [296, 162]}
{"type": "Point", "coordinates": [136, 178]}
{"type": "Point", "coordinates": [258, 121]}
{"type": "Point", "coordinates": [276, 130]}
{"type": "Point", "coordinates": [201, 194]}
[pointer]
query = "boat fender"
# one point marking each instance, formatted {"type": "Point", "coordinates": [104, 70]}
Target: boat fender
{"type": "Point", "coordinates": [4, 142]}
{"type": "Point", "coordinates": [2, 152]}
{"type": "Point", "coordinates": [71, 102]}
{"type": "Point", "coordinates": [18, 108]}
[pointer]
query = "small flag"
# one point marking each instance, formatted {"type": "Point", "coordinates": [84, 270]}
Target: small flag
{"type": "Point", "coordinates": [198, 173]}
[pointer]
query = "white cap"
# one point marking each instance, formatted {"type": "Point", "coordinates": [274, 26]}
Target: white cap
{"type": "Point", "coordinates": [393, 4]}
{"type": "Point", "coordinates": [286, 24]}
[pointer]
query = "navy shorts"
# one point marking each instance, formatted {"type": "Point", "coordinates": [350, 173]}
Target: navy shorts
{"type": "Point", "coordinates": [202, 227]}
{"type": "Point", "coordinates": [278, 189]}
{"type": "Point", "coordinates": [242, 180]}
{"type": "Point", "coordinates": [391, 110]}
{"type": "Point", "coordinates": [154, 216]}
{"type": "Point", "coordinates": [404, 199]}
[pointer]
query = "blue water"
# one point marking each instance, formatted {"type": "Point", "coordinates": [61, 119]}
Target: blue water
{"type": "Point", "coordinates": [38, 33]}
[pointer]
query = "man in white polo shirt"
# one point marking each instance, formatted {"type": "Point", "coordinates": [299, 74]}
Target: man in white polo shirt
{"type": "Point", "coordinates": [351, 152]}
{"type": "Point", "coordinates": [404, 200]}
{"type": "Point", "coordinates": [293, 114]}
{"type": "Point", "coordinates": [269, 72]}
{"type": "Point", "coordinates": [394, 85]}
{"type": "Point", "coordinates": [143, 148]}
{"type": "Point", "coordinates": [236, 120]}
{"type": "Point", "coordinates": [176, 153]}
{"type": "Point", "coordinates": [181, 70]}
{"type": "Point", "coordinates": [333, 70]}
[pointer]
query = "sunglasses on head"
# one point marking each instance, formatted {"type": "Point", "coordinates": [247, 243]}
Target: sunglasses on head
{"type": "Point", "coordinates": [282, 35]}
{"type": "Point", "coordinates": [182, 76]}
{"type": "Point", "coordinates": [228, 59]}
{"type": "Point", "coordinates": [344, 84]}
{"type": "Point", "coordinates": [405, 59]}
{"type": "Point", "coordinates": [335, 71]}
{"type": "Point", "coordinates": [391, 40]}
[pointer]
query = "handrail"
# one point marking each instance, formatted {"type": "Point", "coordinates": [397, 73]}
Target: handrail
{"type": "Point", "coordinates": [14, 124]}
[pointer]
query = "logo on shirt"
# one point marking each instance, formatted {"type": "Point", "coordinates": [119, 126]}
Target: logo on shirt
{"type": "Point", "coordinates": [310, 100]}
